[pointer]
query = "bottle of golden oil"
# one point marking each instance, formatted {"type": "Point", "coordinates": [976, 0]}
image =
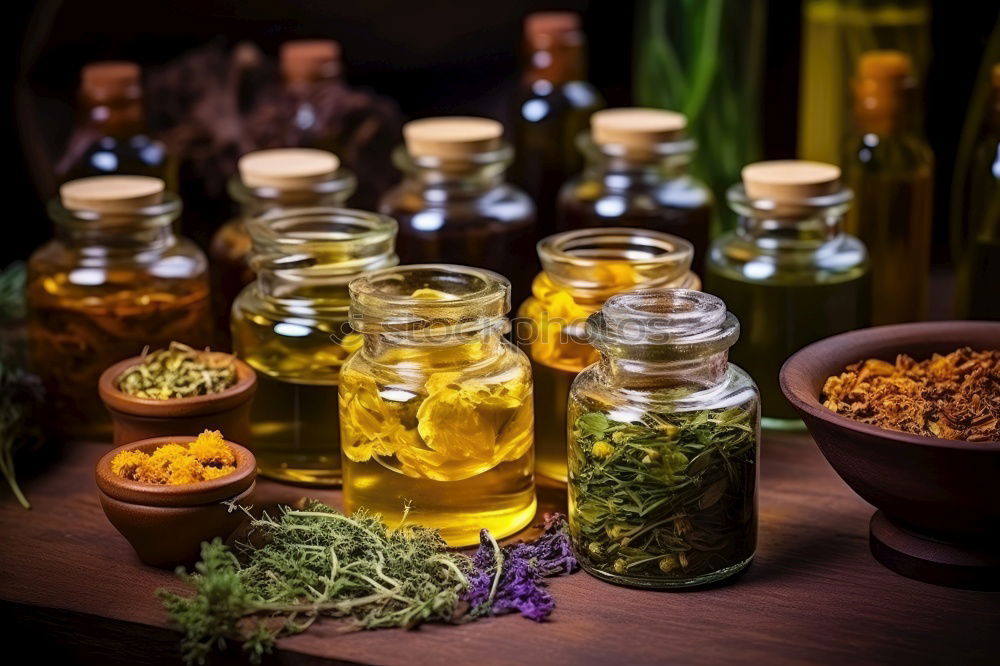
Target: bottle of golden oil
{"type": "Point", "coordinates": [291, 326]}
{"type": "Point", "coordinates": [890, 167]}
{"type": "Point", "coordinates": [582, 269]}
{"type": "Point", "coordinates": [789, 272]}
{"type": "Point", "coordinates": [637, 176]}
{"type": "Point", "coordinates": [267, 180]}
{"type": "Point", "coordinates": [436, 407]}
{"type": "Point", "coordinates": [115, 279]}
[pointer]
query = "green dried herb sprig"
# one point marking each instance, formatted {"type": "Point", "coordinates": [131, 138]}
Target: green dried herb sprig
{"type": "Point", "coordinates": [20, 399]}
{"type": "Point", "coordinates": [668, 496]}
{"type": "Point", "coordinates": [178, 372]}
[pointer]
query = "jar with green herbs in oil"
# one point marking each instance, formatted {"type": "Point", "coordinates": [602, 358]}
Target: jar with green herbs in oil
{"type": "Point", "coordinates": [291, 326]}
{"type": "Point", "coordinates": [582, 269]}
{"type": "Point", "coordinates": [268, 180]}
{"type": "Point", "coordinates": [789, 272]}
{"type": "Point", "coordinates": [663, 444]}
{"type": "Point", "coordinates": [115, 279]}
{"type": "Point", "coordinates": [435, 407]}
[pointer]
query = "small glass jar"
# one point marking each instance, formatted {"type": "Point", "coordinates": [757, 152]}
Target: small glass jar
{"type": "Point", "coordinates": [637, 176]}
{"type": "Point", "coordinates": [663, 444]}
{"type": "Point", "coordinates": [114, 280]}
{"type": "Point", "coordinates": [454, 205]}
{"type": "Point", "coordinates": [436, 407]}
{"type": "Point", "coordinates": [268, 180]}
{"type": "Point", "coordinates": [789, 272]}
{"type": "Point", "coordinates": [582, 269]}
{"type": "Point", "coordinates": [291, 325]}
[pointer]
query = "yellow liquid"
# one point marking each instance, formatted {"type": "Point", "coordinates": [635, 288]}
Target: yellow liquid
{"type": "Point", "coordinates": [551, 396]}
{"type": "Point", "coordinates": [455, 446]}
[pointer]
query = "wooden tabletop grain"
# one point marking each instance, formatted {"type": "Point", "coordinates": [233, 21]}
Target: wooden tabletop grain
{"type": "Point", "coordinates": [72, 590]}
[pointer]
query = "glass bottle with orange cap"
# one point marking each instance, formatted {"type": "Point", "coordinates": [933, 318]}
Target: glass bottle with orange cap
{"type": "Point", "coordinates": [111, 136]}
{"type": "Point", "coordinates": [889, 165]}
{"type": "Point", "coordinates": [789, 272]}
{"type": "Point", "coordinates": [636, 176]}
{"type": "Point", "coordinates": [454, 203]}
{"type": "Point", "coordinates": [553, 106]}
{"type": "Point", "coordinates": [114, 280]}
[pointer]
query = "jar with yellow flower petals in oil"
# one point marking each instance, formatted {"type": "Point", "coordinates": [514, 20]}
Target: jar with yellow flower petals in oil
{"type": "Point", "coordinates": [291, 325]}
{"type": "Point", "coordinates": [582, 269]}
{"type": "Point", "coordinates": [436, 406]}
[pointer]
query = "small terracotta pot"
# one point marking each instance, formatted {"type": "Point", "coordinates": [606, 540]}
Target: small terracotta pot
{"type": "Point", "coordinates": [141, 418]}
{"type": "Point", "coordinates": [167, 524]}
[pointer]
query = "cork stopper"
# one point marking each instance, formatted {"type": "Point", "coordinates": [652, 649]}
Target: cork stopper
{"type": "Point", "coordinates": [111, 80]}
{"type": "Point", "coordinates": [112, 194]}
{"type": "Point", "coordinates": [455, 138]}
{"type": "Point", "coordinates": [307, 60]}
{"type": "Point", "coordinates": [637, 130]}
{"type": "Point", "coordinates": [287, 169]}
{"type": "Point", "coordinates": [543, 30]}
{"type": "Point", "coordinates": [790, 181]}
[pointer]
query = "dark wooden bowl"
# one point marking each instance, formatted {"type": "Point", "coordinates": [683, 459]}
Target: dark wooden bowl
{"type": "Point", "coordinates": [167, 524]}
{"type": "Point", "coordinates": [938, 517]}
{"type": "Point", "coordinates": [141, 418]}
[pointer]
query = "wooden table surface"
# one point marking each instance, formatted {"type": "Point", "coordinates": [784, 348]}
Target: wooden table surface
{"type": "Point", "coordinates": [72, 590]}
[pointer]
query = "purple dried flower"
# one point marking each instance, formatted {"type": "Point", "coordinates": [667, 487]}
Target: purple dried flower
{"type": "Point", "coordinates": [509, 579]}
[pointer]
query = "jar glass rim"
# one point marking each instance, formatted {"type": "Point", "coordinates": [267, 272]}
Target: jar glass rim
{"type": "Point", "coordinates": [833, 204]}
{"type": "Point", "coordinates": [408, 163]}
{"type": "Point", "coordinates": [681, 146]}
{"type": "Point", "coordinates": [160, 214]}
{"type": "Point", "coordinates": [341, 182]}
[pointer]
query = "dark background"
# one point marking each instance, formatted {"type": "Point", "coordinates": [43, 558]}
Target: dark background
{"type": "Point", "coordinates": [432, 56]}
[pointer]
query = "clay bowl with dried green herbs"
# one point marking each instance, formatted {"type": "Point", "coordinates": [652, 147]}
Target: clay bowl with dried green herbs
{"type": "Point", "coordinates": [938, 517]}
{"type": "Point", "coordinates": [166, 524]}
{"type": "Point", "coordinates": [135, 418]}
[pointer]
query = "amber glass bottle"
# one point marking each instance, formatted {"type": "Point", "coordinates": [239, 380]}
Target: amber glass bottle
{"type": "Point", "coordinates": [581, 270]}
{"type": "Point", "coordinates": [435, 407]}
{"type": "Point", "coordinates": [111, 135]}
{"type": "Point", "coordinates": [636, 176]}
{"type": "Point", "coordinates": [115, 279]}
{"type": "Point", "coordinates": [890, 166]}
{"type": "Point", "coordinates": [553, 107]}
{"type": "Point", "coordinates": [267, 180]}
{"type": "Point", "coordinates": [789, 272]}
{"type": "Point", "coordinates": [454, 204]}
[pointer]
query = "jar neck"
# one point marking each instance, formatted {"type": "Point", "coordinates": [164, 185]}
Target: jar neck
{"type": "Point", "coordinates": [557, 64]}
{"type": "Point", "coordinates": [694, 374]}
{"type": "Point", "coordinates": [802, 224]}
{"type": "Point", "coordinates": [620, 169]}
{"type": "Point", "coordinates": [146, 230]}
{"type": "Point", "coordinates": [255, 201]}
{"type": "Point", "coordinates": [115, 117]}
{"type": "Point", "coordinates": [442, 352]}
{"type": "Point", "coordinates": [470, 178]}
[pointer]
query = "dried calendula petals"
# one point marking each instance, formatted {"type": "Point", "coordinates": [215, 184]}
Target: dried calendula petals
{"type": "Point", "coordinates": [953, 396]}
{"type": "Point", "coordinates": [208, 457]}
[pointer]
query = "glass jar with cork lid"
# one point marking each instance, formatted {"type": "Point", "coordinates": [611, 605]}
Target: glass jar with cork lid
{"type": "Point", "coordinates": [789, 272]}
{"type": "Point", "coordinates": [454, 204]}
{"type": "Point", "coordinates": [435, 407]}
{"type": "Point", "coordinates": [637, 176]}
{"type": "Point", "coordinates": [291, 326]}
{"type": "Point", "coordinates": [581, 270]}
{"type": "Point", "coordinates": [663, 444]}
{"type": "Point", "coordinates": [267, 180]}
{"type": "Point", "coordinates": [114, 280]}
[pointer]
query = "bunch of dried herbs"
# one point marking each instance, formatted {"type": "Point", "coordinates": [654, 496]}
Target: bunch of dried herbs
{"type": "Point", "coordinates": [314, 561]}
{"type": "Point", "coordinates": [21, 396]}
{"type": "Point", "coordinates": [178, 372]}
{"type": "Point", "coordinates": [670, 495]}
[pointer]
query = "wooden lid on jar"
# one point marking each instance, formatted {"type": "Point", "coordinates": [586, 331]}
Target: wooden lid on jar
{"type": "Point", "coordinates": [452, 137]}
{"type": "Point", "coordinates": [304, 60]}
{"type": "Point", "coordinates": [111, 79]}
{"type": "Point", "coordinates": [112, 194]}
{"type": "Point", "coordinates": [790, 181]}
{"type": "Point", "coordinates": [636, 128]}
{"type": "Point", "coordinates": [287, 168]}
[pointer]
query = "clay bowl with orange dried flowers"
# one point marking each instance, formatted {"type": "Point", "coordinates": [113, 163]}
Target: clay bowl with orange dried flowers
{"type": "Point", "coordinates": [166, 503]}
{"type": "Point", "coordinates": [938, 517]}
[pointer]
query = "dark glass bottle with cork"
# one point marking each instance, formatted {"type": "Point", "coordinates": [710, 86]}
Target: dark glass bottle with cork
{"type": "Point", "coordinates": [553, 107]}
{"type": "Point", "coordinates": [455, 205]}
{"type": "Point", "coordinates": [890, 167]}
{"type": "Point", "coordinates": [636, 176]}
{"type": "Point", "coordinates": [789, 272]}
{"type": "Point", "coordinates": [111, 137]}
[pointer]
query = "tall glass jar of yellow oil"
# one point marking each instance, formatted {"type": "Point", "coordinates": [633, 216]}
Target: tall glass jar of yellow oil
{"type": "Point", "coordinates": [291, 325]}
{"type": "Point", "coordinates": [581, 270]}
{"type": "Point", "coordinates": [267, 180]}
{"type": "Point", "coordinates": [114, 280]}
{"type": "Point", "coordinates": [435, 407]}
